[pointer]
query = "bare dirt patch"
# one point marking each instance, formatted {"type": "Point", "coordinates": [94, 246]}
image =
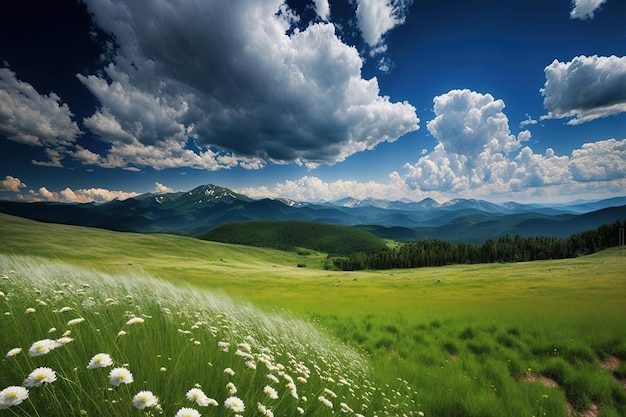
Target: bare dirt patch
{"type": "Point", "coordinates": [544, 380]}
{"type": "Point", "coordinates": [611, 363]}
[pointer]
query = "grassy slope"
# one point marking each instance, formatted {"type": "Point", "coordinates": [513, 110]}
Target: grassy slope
{"type": "Point", "coordinates": [270, 276]}
{"type": "Point", "coordinates": [288, 235]}
{"type": "Point", "coordinates": [410, 320]}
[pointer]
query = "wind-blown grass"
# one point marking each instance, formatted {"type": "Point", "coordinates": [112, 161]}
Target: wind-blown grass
{"type": "Point", "coordinates": [471, 340]}
{"type": "Point", "coordinates": [115, 344]}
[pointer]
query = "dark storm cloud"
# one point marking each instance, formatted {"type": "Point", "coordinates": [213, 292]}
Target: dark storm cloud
{"type": "Point", "coordinates": [233, 76]}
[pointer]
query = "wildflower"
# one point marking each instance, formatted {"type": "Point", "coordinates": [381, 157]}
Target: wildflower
{"type": "Point", "coordinates": [198, 396]}
{"type": "Point", "coordinates": [135, 320]}
{"type": "Point", "coordinates": [235, 404]}
{"type": "Point", "coordinates": [52, 330]}
{"type": "Point", "coordinates": [11, 396]}
{"type": "Point", "coordinates": [42, 347]}
{"type": "Point", "coordinates": [345, 408]}
{"type": "Point", "coordinates": [265, 411]}
{"type": "Point", "coordinates": [300, 410]}
{"type": "Point", "coordinates": [163, 369]}
{"type": "Point", "coordinates": [40, 376]}
{"type": "Point", "coordinates": [144, 399]}
{"type": "Point", "coordinates": [30, 310]}
{"type": "Point", "coordinates": [101, 360]}
{"type": "Point", "coordinates": [251, 365]}
{"type": "Point", "coordinates": [13, 352]}
{"type": "Point", "coordinates": [293, 390]}
{"type": "Point", "coordinates": [197, 342]}
{"type": "Point", "coordinates": [329, 392]}
{"type": "Point", "coordinates": [119, 376]}
{"type": "Point", "coordinates": [121, 333]}
{"type": "Point", "coordinates": [223, 346]}
{"type": "Point", "coordinates": [65, 309]}
{"type": "Point", "coordinates": [187, 412]}
{"type": "Point", "coordinates": [64, 340]}
{"type": "Point", "coordinates": [229, 371]}
{"type": "Point", "coordinates": [325, 401]}
{"type": "Point", "coordinates": [232, 389]}
{"type": "Point", "coordinates": [75, 321]}
{"type": "Point", "coordinates": [245, 347]}
{"type": "Point", "coordinates": [273, 378]}
{"type": "Point", "coordinates": [421, 414]}
{"type": "Point", "coordinates": [271, 392]}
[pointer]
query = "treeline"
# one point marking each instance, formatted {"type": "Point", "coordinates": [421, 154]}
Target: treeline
{"type": "Point", "coordinates": [435, 252]}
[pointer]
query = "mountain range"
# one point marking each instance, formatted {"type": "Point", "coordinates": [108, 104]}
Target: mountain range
{"type": "Point", "coordinates": [199, 210]}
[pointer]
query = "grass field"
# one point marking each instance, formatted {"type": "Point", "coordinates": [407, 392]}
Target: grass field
{"type": "Point", "coordinates": [543, 338]}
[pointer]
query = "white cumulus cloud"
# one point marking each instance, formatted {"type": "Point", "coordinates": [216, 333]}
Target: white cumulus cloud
{"type": "Point", "coordinates": [162, 189]}
{"type": "Point", "coordinates": [12, 184]}
{"type": "Point", "coordinates": [28, 117]}
{"type": "Point", "coordinates": [599, 161]}
{"type": "Point", "coordinates": [377, 17]}
{"type": "Point", "coordinates": [240, 81]}
{"type": "Point", "coordinates": [477, 151]}
{"type": "Point", "coordinates": [83, 195]}
{"type": "Point", "coordinates": [312, 188]}
{"type": "Point", "coordinates": [585, 9]}
{"type": "Point", "coordinates": [585, 89]}
{"type": "Point", "coordinates": [322, 8]}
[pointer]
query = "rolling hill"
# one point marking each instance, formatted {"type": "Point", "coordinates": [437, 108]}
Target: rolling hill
{"type": "Point", "coordinates": [197, 211]}
{"type": "Point", "coordinates": [289, 235]}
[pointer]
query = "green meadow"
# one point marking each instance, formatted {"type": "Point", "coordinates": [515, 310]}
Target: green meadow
{"type": "Point", "coordinates": [527, 339]}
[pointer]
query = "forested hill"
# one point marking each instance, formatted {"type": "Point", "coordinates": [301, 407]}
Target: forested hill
{"type": "Point", "coordinates": [289, 235]}
{"type": "Point", "coordinates": [435, 252]}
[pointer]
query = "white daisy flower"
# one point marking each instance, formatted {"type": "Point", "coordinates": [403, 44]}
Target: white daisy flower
{"type": "Point", "coordinates": [75, 321]}
{"type": "Point", "coordinates": [144, 399]}
{"type": "Point", "coordinates": [271, 392]}
{"type": "Point", "coordinates": [13, 352]}
{"type": "Point", "coordinates": [42, 347]}
{"type": "Point", "coordinates": [235, 404]}
{"type": "Point", "coordinates": [11, 396]}
{"type": "Point", "coordinates": [39, 377]}
{"type": "Point", "coordinates": [325, 401]}
{"type": "Point", "coordinates": [273, 378]}
{"type": "Point", "coordinates": [198, 396]}
{"type": "Point", "coordinates": [101, 360]}
{"type": "Point", "coordinates": [187, 412]}
{"type": "Point", "coordinates": [232, 389]}
{"type": "Point", "coordinates": [229, 371]}
{"type": "Point", "coordinates": [30, 310]}
{"type": "Point", "coordinates": [119, 376]}
{"type": "Point", "coordinates": [135, 320]}
{"type": "Point", "coordinates": [64, 340]}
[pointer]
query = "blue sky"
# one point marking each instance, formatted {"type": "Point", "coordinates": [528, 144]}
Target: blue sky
{"type": "Point", "coordinates": [314, 100]}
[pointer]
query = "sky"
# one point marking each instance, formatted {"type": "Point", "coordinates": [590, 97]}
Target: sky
{"type": "Point", "coordinates": [314, 100]}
